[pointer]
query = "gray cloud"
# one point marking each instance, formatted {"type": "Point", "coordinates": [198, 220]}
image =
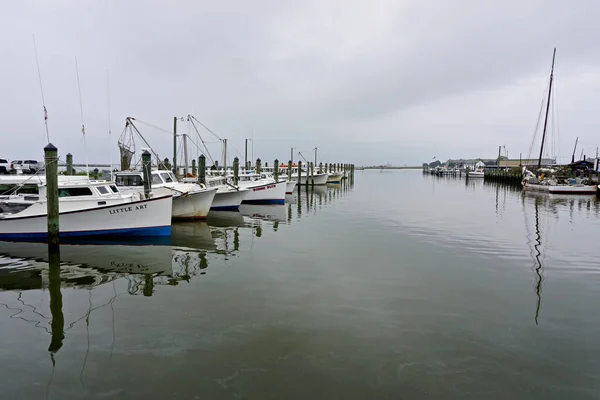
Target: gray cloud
{"type": "Point", "coordinates": [365, 82]}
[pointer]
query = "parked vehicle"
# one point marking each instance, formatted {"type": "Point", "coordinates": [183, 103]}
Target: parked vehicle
{"type": "Point", "coordinates": [9, 168]}
{"type": "Point", "coordinates": [27, 166]}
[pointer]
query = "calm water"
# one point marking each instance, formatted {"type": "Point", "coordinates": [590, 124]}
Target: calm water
{"type": "Point", "coordinates": [402, 286]}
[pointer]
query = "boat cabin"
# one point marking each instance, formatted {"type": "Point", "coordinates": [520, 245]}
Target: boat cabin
{"type": "Point", "coordinates": [136, 178]}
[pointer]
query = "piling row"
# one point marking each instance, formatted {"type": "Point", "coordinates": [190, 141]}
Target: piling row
{"type": "Point", "coordinates": [511, 177]}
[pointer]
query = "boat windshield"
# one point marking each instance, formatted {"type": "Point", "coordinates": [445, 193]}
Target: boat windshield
{"type": "Point", "coordinates": [129, 180]}
{"type": "Point", "coordinates": [156, 180]}
{"type": "Point", "coordinates": [168, 177]}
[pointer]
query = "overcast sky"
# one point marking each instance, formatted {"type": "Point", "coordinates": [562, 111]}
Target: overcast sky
{"type": "Point", "coordinates": [366, 82]}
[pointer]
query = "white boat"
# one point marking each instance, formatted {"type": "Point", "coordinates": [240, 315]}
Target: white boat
{"type": "Point", "coordinates": [335, 177]}
{"type": "Point", "coordinates": [551, 185]}
{"type": "Point", "coordinates": [478, 173]}
{"type": "Point", "coordinates": [190, 200]}
{"type": "Point", "coordinates": [546, 182]}
{"type": "Point", "coordinates": [228, 197]}
{"type": "Point", "coordinates": [85, 209]}
{"type": "Point", "coordinates": [290, 186]}
{"type": "Point", "coordinates": [319, 178]}
{"type": "Point", "coordinates": [262, 189]}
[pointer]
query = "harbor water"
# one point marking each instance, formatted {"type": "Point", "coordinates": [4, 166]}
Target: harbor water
{"type": "Point", "coordinates": [398, 286]}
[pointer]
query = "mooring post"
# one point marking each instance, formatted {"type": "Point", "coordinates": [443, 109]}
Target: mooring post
{"type": "Point", "coordinates": [321, 168]}
{"type": "Point", "coordinates": [202, 169]}
{"type": "Point", "coordinates": [69, 164]}
{"type": "Point", "coordinates": [194, 166]}
{"type": "Point", "coordinates": [299, 172]}
{"type": "Point", "coordinates": [276, 170]}
{"type": "Point", "coordinates": [312, 174]}
{"type": "Point", "coordinates": [289, 171]}
{"type": "Point", "coordinates": [236, 170]}
{"type": "Point", "coordinates": [258, 166]}
{"type": "Point", "coordinates": [51, 161]}
{"type": "Point", "coordinates": [146, 168]}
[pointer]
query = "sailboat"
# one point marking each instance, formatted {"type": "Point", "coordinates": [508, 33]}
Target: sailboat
{"type": "Point", "coordinates": [544, 184]}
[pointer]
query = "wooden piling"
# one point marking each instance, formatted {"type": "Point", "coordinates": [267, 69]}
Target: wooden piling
{"type": "Point", "coordinates": [194, 166]}
{"type": "Point", "coordinates": [289, 171]}
{"type": "Point", "coordinates": [146, 169]}
{"type": "Point", "coordinates": [202, 169]}
{"type": "Point", "coordinates": [299, 172]}
{"type": "Point", "coordinates": [276, 170]}
{"type": "Point", "coordinates": [236, 170]}
{"type": "Point", "coordinates": [69, 164]}
{"type": "Point", "coordinates": [312, 174]}
{"type": "Point", "coordinates": [51, 161]}
{"type": "Point", "coordinates": [258, 166]}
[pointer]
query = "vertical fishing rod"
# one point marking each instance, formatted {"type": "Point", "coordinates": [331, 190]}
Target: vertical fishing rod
{"type": "Point", "coordinates": [87, 166]}
{"type": "Point", "coordinates": [41, 90]}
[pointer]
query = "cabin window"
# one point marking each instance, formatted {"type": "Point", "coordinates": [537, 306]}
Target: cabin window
{"type": "Point", "coordinates": [129, 180]}
{"type": "Point", "coordinates": [74, 191]}
{"type": "Point", "coordinates": [156, 179]}
{"type": "Point", "coordinates": [114, 189]}
{"type": "Point", "coordinates": [167, 177]}
{"type": "Point", "coordinates": [102, 189]}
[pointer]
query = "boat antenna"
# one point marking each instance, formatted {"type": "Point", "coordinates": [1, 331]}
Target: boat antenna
{"type": "Point", "coordinates": [87, 166]}
{"type": "Point", "coordinates": [41, 90]}
{"type": "Point", "coordinates": [547, 109]}
{"type": "Point", "coordinates": [109, 129]}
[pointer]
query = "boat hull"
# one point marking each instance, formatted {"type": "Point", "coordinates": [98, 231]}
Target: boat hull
{"type": "Point", "coordinates": [193, 205]}
{"type": "Point", "coordinates": [475, 175]}
{"type": "Point", "coordinates": [228, 200]}
{"type": "Point", "coordinates": [151, 217]}
{"type": "Point", "coordinates": [335, 177]}
{"type": "Point", "coordinates": [319, 179]}
{"type": "Point", "coordinates": [561, 189]}
{"type": "Point", "coordinates": [269, 193]}
{"type": "Point", "coordinates": [289, 187]}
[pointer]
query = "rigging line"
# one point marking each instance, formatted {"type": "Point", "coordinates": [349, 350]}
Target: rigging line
{"type": "Point", "coordinates": [202, 140]}
{"type": "Point", "coordinates": [41, 89]}
{"type": "Point", "coordinates": [153, 126]}
{"type": "Point", "coordinates": [82, 124]}
{"type": "Point", "coordinates": [537, 124]}
{"type": "Point", "coordinates": [134, 128]}
{"type": "Point", "coordinates": [206, 127]}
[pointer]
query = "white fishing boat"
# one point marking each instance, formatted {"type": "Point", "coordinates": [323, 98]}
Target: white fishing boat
{"type": "Point", "coordinates": [319, 178]}
{"type": "Point", "coordinates": [477, 173]}
{"type": "Point", "coordinates": [335, 177]}
{"type": "Point", "coordinates": [228, 197]}
{"type": "Point", "coordinates": [190, 200]}
{"type": "Point", "coordinates": [290, 186]}
{"type": "Point", "coordinates": [262, 189]}
{"type": "Point", "coordinates": [85, 209]}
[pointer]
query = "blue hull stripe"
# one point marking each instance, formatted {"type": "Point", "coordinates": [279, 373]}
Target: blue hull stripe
{"type": "Point", "coordinates": [150, 231]}
{"type": "Point", "coordinates": [225, 208]}
{"type": "Point", "coordinates": [265, 201]}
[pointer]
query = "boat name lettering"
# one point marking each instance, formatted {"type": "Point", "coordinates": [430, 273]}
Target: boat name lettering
{"type": "Point", "coordinates": [128, 209]}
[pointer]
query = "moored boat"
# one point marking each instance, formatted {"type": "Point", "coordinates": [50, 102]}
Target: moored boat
{"type": "Point", "coordinates": [190, 200]}
{"type": "Point", "coordinates": [335, 177]}
{"type": "Point", "coordinates": [147, 217]}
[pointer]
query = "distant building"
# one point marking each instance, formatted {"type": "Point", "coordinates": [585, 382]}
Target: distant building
{"type": "Point", "coordinates": [528, 162]}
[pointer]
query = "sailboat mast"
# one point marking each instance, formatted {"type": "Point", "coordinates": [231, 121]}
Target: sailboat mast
{"type": "Point", "coordinates": [547, 110]}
